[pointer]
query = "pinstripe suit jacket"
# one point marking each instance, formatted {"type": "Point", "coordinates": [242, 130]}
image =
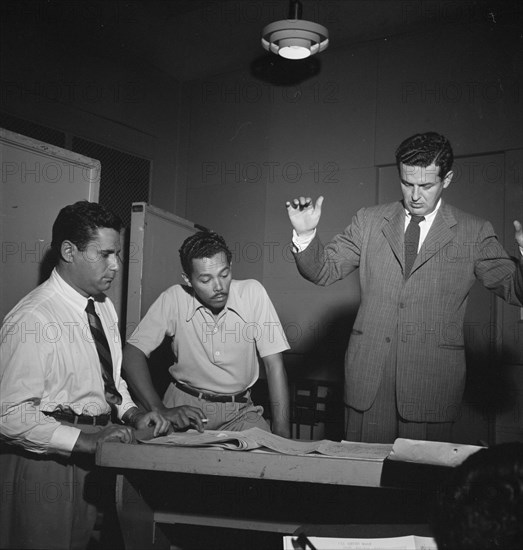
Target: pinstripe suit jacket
{"type": "Point", "coordinates": [422, 316]}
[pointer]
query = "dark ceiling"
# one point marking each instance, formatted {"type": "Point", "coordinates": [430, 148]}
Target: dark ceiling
{"type": "Point", "coordinates": [191, 39]}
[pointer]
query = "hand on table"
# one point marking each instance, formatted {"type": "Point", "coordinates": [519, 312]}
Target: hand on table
{"type": "Point", "coordinates": [184, 417]}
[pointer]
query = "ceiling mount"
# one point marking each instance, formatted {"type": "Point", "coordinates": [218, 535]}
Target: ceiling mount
{"type": "Point", "coordinates": [295, 38]}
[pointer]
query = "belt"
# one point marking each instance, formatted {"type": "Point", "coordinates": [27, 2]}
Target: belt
{"type": "Point", "coordinates": [241, 397]}
{"type": "Point", "coordinates": [100, 420]}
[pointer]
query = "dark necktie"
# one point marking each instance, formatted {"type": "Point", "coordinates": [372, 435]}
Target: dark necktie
{"type": "Point", "coordinates": [104, 353]}
{"type": "Point", "coordinates": [412, 242]}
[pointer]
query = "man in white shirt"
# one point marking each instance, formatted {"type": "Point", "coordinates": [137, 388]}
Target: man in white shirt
{"type": "Point", "coordinates": [61, 386]}
{"type": "Point", "coordinates": [417, 260]}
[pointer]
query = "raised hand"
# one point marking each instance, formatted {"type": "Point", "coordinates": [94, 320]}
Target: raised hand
{"type": "Point", "coordinates": [304, 215]}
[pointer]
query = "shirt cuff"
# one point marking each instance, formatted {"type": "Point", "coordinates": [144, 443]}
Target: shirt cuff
{"type": "Point", "coordinates": [301, 243]}
{"type": "Point", "coordinates": [63, 440]}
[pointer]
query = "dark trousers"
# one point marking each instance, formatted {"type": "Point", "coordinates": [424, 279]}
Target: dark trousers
{"type": "Point", "coordinates": [382, 422]}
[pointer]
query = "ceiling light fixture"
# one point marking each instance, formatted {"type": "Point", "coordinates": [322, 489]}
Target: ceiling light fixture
{"type": "Point", "coordinates": [295, 38]}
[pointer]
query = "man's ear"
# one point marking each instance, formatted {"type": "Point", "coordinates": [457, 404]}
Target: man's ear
{"type": "Point", "coordinates": [67, 251]}
{"type": "Point", "coordinates": [186, 279]}
{"type": "Point", "coordinates": [447, 179]}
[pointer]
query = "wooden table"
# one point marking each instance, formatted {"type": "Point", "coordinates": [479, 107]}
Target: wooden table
{"type": "Point", "coordinates": [159, 486]}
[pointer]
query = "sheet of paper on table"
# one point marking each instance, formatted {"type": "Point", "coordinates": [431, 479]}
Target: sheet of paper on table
{"type": "Point", "coordinates": [254, 438]}
{"type": "Point", "coordinates": [410, 542]}
{"type": "Point", "coordinates": [431, 452]}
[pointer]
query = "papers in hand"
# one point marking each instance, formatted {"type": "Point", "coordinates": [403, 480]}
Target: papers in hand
{"type": "Point", "coordinates": [255, 438]}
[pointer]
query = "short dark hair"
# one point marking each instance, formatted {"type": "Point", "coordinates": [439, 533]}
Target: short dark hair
{"type": "Point", "coordinates": [424, 150]}
{"type": "Point", "coordinates": [79, 222]}
{"type": "Point", "coordinates": [482, 507]}
{"type": "Point", "coordinates": [203, 244]}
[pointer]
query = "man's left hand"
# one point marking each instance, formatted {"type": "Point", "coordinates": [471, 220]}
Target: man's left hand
{"type": "Point", "coordinates": [153, 418]}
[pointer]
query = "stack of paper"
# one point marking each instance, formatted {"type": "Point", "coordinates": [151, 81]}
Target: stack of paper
{"type": "Point", "coordinates": [411, 542]}
{"type": "Point", "coordinates": [431, 452]}
{"type": "Point", "coordinates": [254, 438]}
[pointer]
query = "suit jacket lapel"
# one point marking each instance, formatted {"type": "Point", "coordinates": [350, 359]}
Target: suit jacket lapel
{"type": "Point", "coordinates": [439, 235]}
{"type": "Point", "coordinates": [394, 230]}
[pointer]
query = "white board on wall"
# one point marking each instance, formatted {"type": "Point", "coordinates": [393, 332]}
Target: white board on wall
{"type": "Point", "coordinates": [38, 180]}
{"type": "Point", "coordinates": [154, 263]}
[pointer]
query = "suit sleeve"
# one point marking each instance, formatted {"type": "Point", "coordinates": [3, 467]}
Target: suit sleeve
{"type": "Point", "coordinates": [496, 269]}
{"type": "Point", "coordinates": [326, 264]}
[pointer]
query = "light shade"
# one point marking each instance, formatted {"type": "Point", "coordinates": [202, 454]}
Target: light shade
{"type": "Point", "coordinates": [295, 38]}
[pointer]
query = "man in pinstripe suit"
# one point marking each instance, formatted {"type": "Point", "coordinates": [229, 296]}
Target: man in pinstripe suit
{"type": "Point", "coordinates": [405, 370]}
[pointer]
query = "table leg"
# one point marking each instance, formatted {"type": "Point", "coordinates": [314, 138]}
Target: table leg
{"type": "Point", "coordinates": [139, 530]}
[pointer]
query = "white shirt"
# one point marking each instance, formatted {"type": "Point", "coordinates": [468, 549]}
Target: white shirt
{"type": "Point", "coordinates": [424, 225]}
{"type": "Point", "coordinates": [48, 358]}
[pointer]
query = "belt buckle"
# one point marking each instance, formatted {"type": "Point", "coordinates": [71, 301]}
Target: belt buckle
{"type": "Point", "coordinates": [240, 395]}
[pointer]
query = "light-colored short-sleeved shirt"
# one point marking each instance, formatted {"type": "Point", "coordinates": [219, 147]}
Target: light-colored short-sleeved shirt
{"type": "Point", "coordinates": [48, 358]}
{"type": "Point", "coordinates": [219, 355]}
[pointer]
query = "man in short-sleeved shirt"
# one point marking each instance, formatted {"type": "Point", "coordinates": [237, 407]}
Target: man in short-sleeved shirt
{"type": "Point", "coordinates": [219, 327]}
